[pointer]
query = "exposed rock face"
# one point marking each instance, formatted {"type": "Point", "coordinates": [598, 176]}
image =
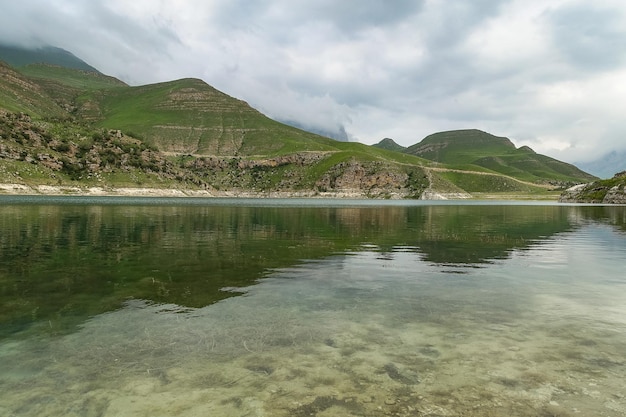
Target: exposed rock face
{"type": "Point", "coordinates": [572, 194]}
{"type": "Point", "coordinates": [371, 179]}
{"type": "Point", "coordinates": [616, 195]}
{"type": "Point", "coordinates": [81, 157]}
{"type": "Point", "coordinates": [299, 159]}
{"type": "Point", "coordinates": [611, 191]}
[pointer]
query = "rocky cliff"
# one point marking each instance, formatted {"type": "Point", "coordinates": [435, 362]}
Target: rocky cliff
{"type": "Point", "coordinates": [38, 153]}
{"type": "Point", "coordinates": [611, 191]}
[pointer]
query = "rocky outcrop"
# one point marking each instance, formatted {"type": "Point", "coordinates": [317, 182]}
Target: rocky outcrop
{"type": "Point", "coordinates": [616, 195]}
{"type": "Point", "coordinates": [79, 153]}
{"type": "Point", "coordinates": [611, 191]}
{"type": "Point", "coordinates": [75, 156]}
{"type": "Point", "coordinates": [372, 179]}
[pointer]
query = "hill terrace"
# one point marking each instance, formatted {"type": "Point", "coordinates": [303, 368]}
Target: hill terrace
{"type": "Point", "coordinates": [64, 126]}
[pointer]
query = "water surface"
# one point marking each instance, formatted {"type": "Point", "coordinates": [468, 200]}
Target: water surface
{"type": "Point", "coordinates": [114, 307]}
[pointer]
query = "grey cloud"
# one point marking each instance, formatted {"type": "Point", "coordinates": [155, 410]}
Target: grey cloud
{"type": "Point", "coordinates": [398, 69]}
{"type": "Point", "coordinates": [349, 16]}
{"type": "Point", "coordinates": [355, 15]}
{"type": "Point", "coordinates": [446, 69]}
{"type": "Point", "coordinates": [451, 87]}
{"type": "Point", "coordinates": [589, 36]}
{"type": "Point", "coordinates": [356, 21]}
{"type": "Point", "coordinates": [92, 31]}
{"type": "Point", "coordinates": [450, 22]}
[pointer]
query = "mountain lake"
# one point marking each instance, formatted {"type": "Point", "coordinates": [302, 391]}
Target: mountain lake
{"type": "Point", "coordinates": [240, 307]}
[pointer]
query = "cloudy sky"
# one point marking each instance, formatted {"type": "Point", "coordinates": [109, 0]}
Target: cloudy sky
{"type": "Point", "coordinates": [550, 74]}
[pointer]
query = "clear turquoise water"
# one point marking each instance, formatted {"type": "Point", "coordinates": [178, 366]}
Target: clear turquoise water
{"type": "Point", "coordinates": [118, 307]}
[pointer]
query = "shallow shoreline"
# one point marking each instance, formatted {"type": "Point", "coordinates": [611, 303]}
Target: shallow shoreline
{"type": "Point", "coordinates": [62, 190]}
{"type": "Point", "coordinates": [67, 190]}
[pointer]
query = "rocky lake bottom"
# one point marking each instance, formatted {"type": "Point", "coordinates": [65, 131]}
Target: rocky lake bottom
{"type": "Point", "coordinates": [368, 331]}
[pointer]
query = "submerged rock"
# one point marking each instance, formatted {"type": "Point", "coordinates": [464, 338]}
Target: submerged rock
{"type": "Point", "coordinates": [323, 403]}
{"type": "Point", "coordinates": [404, 376]}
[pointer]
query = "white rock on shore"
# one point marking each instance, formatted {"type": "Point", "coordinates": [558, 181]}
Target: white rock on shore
{"type": "Point", "coordinates": [21, 189]}
{"type": "Point", "coordinates": [433, 195]}
{"type": "Point", "coordinates": [571, 194]}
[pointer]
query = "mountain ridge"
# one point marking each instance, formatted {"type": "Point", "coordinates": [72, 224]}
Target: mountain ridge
{"type": "Point", "coordinates": [473, 147]}
{"type": "Point", "coordinates": [18, 56]}
{"type": "Point", "coordinates": [88, 130]}
{"type": "Point", "coordinates": [390, 145]}
{"type": "Point", "coordinates": [606, 165]}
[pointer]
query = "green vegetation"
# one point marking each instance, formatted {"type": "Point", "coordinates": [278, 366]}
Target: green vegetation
{"type": "Point", "coordinates": [478, 182]}
{"type": "Point", "coordinates": [19, 94]}
{"type": "Point", "coordinates": [189, 116]}
{"type": "Point", "coordinates": [62, 264]}
{"type": "Point", "coordinates": [84, 128]}
{"type": "Point", "coordinates": [477, 150]}
{"type": "Point", "coordinates": [461, 146]}
{"type": "Point", "coordinates": [79, 79]}
{"type": "Point", "coordinates": [390, 145]}
{"type": "Point", "coordinates": [18, 57]}
{"type": "Point", "coordinates": [612, 190]}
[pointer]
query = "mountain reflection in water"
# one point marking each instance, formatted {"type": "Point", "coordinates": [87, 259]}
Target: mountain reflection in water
{"type": "Point", "coordinates": [332, 310]}
{"type": "Point", "coordinates": [61, 263]}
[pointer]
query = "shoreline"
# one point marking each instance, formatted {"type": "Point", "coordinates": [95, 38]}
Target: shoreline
{"type": "Point", "coordinates": [66, 190]}
{"type": "Point", "coordinates": [94, 191]}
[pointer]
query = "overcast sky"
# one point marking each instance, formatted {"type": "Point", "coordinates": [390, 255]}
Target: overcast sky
{"type": "Point", "coordinates": [550, 74]}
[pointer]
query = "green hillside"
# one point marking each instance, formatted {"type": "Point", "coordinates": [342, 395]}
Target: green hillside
{"type": "Point", "coordinates": [459, 147]}
{"type": "Point", "coordinates": [75, 78]}
{"type": "Point", "coordinates": [71, 127]}
{"type": "Point", "coordinates": [390, 145]}
{"type": "Point", "coordinates": [18, 93]}
{"type": "Point", "coordinates": [478, 150]}
{"type": "Point", "coordinates": [76, 127]}
{"type": "Point", "coordinates": [189, 116]}
{"type": "Point", "coordinates": [17, 56]}
{"type": "Point", "coordinates": [65, 85]}
{"type": "Point", "coordinates": [44, 90]}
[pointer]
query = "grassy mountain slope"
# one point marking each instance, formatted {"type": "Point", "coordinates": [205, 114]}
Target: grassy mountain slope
{"type": "Point", "coordinates": [207, 140]}
{"type": "Point", "coordinates": [17, 56]}
{"type": "Point", "coordinates": [65, 85]}
{"type": "Point", "coordinates": [475, 149]}
{"type": "Point", "coordinates": [66, 153]}
{"type": "Point", "coordinates": [460, 147]}
{"type": "Point", "coordinates": [92, 130]}
{"type": "Point", "coordinates": [75, 78]}
{"type": "Point", "coordinates": [190, 116]}
{"type": "Point", "coordinates": [18, 93]}
{"type": "Point", "coordinates": [390, 145]}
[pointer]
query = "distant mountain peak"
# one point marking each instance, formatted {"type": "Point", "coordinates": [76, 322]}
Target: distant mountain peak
{"type": "Point", "coordinates": [18, 56]}
{"type": "Point", "coordinates": [526, 149]}
{"type": "Point", "coordinates": [606, 165]}
{"type": "Point", "coordinates": [463, 136]}
{"type": "Point", "coordinates": [390, 145]}
{"type": "Point", "coordinates": [495, 153]}
{"type": "Point", "coordinates": [220, 141]}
